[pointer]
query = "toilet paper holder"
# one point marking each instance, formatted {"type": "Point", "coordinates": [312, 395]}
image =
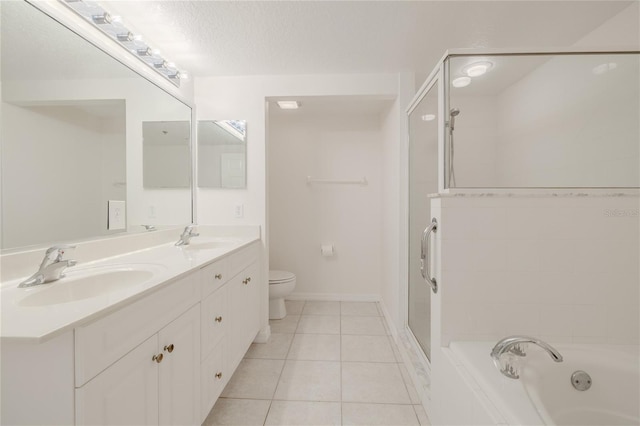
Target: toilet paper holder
{"type": "Point", "coordinates": [327, 250]}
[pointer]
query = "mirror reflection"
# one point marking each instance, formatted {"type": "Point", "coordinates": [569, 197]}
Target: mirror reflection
{"type": "Point", "coordinates": [222, 154]}
{"type": "Point", "coordinates": [72, 137]}
{"type": "Point", "coordinates": [166, 154]}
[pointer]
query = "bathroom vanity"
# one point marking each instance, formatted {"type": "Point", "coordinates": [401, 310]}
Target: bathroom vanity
{"type": "Point", "coordinates": [156, 351]}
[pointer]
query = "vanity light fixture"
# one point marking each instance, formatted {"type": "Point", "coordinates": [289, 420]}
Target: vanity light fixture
{"type": "Point", "coordinates": [288, 104]}
{"type": "Point", "coordinates": [476, 69]}
{"type": "Point", "coordinates": [101, 19]}
{"type": "Point", "coordinates": [125, 37]}
{"type": "Point", "coordinates": [112, 26]}
{"type": "Point", "coordinates": [461, 82]}
{"type": "Point", "coordinates": [144, 51]}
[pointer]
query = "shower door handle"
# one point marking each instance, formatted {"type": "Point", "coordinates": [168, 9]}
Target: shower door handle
{"type": "Point", "coordinates": [425, 255]}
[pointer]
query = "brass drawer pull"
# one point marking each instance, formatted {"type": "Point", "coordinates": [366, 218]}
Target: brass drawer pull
{"type": "Point", "coordinates": [218, 319]}
{"type": "Point", "coordinates": [218, 276]}
{"type": "Point", "coordinates": [157, 358]}
{"type": "Point", "coordinates": [219, 375]}
{"type": "Point", "coordinates": [169, 348]}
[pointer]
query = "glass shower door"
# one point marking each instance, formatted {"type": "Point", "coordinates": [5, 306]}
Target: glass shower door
{"type": "Point", "coordinates": [423, 180]}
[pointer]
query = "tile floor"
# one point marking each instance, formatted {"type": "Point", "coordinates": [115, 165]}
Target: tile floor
{"type": "Point", "coordinates": [326, 363]}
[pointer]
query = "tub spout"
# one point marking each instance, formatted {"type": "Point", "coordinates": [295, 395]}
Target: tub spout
{"type": "Point", "coordinates": [513, 345]}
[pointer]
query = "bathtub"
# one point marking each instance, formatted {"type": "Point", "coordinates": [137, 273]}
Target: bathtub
{"type": "Point", "coordinates": [544, 393]}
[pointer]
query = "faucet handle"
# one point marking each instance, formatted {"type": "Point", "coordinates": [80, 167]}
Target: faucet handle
{"type": "Point", "coordinates": [54, 254]}
{"type": "Point", "coordinates": [188, 230]}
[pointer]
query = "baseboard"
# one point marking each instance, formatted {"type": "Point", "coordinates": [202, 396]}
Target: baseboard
{"type": "Point", "coordinates": [390, 323]}
{"type": "Point", "coordinates": [335, 297]}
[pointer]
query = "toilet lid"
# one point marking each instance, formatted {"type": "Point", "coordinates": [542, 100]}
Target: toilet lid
{"type": "Point", "coordinates": [280, 276]}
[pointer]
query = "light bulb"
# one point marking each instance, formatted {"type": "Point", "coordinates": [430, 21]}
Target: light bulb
{"type": "Point", "coordinates": [461, 82]}
{"type": "Point", "coordinates": [477, 69]}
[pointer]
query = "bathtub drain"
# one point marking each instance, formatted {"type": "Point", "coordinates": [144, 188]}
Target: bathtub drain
{"type": "Point", "coordinates": [581, 380]}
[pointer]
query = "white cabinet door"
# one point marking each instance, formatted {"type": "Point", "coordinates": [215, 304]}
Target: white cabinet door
{"type": "Point", "coordinates": [214, 320]}
{"type": "Point", "coordinates": [214, 376]}
{"type": "Point", "coordinates": [124, 394]}
{"type": "Point", "coordinates": [244, 303]}
{"type": "Point", "coordinates": [179, 389]}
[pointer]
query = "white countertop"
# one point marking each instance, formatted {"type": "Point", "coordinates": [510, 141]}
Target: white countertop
{"type": "Point", "coordinates": [36, 324]}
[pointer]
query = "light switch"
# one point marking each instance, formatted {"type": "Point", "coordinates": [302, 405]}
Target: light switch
{"type": "Point", "coordinates": [117, 216]}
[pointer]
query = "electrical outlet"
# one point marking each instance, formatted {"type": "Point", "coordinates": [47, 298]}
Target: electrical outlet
{"type": "Point", "coordinates": [117, 216]}
{"type": "Point", "coordinates": [239, 211]}
{"type": "Point", "coordinates": [152, 212]}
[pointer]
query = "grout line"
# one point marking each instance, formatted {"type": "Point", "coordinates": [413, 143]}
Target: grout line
{"type": "Point", "coordinates": [269, 410]}
{"type": "Point", "coordinates": [416, 413]}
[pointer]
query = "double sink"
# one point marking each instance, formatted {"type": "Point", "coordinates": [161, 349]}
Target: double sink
{"type": "Point", "coordinates": [85, 282]}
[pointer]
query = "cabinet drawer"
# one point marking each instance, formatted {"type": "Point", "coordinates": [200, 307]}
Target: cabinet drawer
{"type": "Point", "coordinates": [101, 343]}
{"type": "Point", "coordinates": [214, 376]}
{"type": "Point", "coordinates": [244, 258]}
{"type": "Point", "coordinates": [213, 276]}
{"type": "Point", "coordinates": [214, 320]}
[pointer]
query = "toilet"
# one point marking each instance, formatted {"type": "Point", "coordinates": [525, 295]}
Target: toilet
{"type": "Point", "coordinates": [281, 284]}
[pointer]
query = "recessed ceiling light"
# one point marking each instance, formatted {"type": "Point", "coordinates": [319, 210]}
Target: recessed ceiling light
{"type": "Point", "coordinates": [428, 117]}
{"type": "Point", "coordinates": [461, 82]}
{"type": "Point", "coordinates": [288, 104]}
{"type": "Point", "coordinates": [603, 68]}
{"type": "Point", "coordinates": [477, 69]}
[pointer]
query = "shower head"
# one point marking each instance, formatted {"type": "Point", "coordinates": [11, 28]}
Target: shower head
{"type": "Point", "coordinates": [452, 117]}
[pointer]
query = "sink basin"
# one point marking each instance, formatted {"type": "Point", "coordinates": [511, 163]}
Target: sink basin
{"type": "Point", "coordinates": [87, 283]}
{"type": "Point", "coordinates": [211, 244]}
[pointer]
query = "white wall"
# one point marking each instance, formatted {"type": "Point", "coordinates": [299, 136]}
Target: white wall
{"type": "Point", "coordinates": [395, 244]}
{"type": "Point", "coordinates": [303, 217]}
{"type": "Point", "coordinates": [562, 125]}
{"type": "Point", "coordinates": [564, 269]}
{"type": "Point", "coordinates": [51, 172]}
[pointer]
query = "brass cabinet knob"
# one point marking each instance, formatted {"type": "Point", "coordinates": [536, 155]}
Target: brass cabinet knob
{"type": "Point", "coordinates": [157, 358]}
{"type": "Point", "coordinates": [245, 282]}
{"type": "Point", "coordinates": [218, 319]}
{"type": "Point", "coordinates": [169, 348]}
{"type": "Point", "coordinates": [249, 279]}
{"type": "Point", "coordinates": [218, 276]}
{"type": "Point", "coordinates": [219, 375]}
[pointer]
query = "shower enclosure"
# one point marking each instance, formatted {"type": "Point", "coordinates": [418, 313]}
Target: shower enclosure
{"type": "Point", "coordinates": [501, 122]}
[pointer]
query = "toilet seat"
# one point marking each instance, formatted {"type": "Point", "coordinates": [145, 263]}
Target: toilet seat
{"type": "Point", "coordinates": [280, 277]}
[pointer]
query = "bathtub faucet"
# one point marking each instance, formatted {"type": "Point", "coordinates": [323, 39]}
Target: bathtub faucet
{"type": "Point", "coordinates": [514, 345]}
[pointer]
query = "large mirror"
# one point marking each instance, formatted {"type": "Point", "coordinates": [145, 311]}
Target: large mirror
{"type": "Point", "coordinates": [222, 154]}
{"type": "Point", "coordinates": [72, 125]}
{"type": "Point", "coordinates": [166, 152]}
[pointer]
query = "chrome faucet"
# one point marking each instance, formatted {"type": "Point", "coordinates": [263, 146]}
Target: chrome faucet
{"type": "Point", "coordinates": [515, 345]}
{"type": "Point", "coordinates": [51, 268]}
{"type": "Point", "coordinates": [186, 236]}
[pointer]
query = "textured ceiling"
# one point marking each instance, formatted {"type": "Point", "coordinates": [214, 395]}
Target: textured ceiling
{"type": "Point", "coordinates": [318, 37]}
